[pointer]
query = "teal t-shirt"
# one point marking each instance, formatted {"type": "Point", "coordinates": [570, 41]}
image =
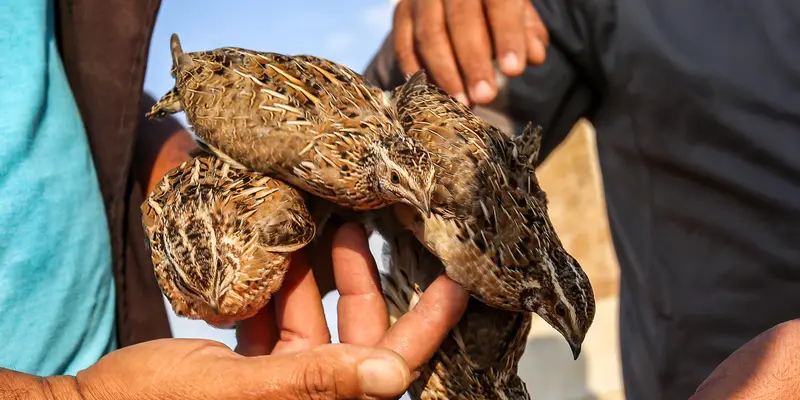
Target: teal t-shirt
{"type": "Point", "coordinates": [56, 283]}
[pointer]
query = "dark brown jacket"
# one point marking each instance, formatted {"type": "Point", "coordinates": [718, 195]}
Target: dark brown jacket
{"type": "Point", "coordinates": [104, 46]}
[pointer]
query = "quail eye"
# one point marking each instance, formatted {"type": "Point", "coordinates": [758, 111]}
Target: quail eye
{"type": "Point", "coordinates": [395, 178]}
{"type": "Point", "coordinates": [560, 310]}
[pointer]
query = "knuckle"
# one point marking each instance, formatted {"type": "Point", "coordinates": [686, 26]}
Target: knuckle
{"type": "Point", "coordinates": [464, 14]}
{"type": "Point", "coordinates": [477, 69]}
{"type": "Point", "coordinates": [430, 32]}
{"type": "Point", "coordinates": [316, 380]}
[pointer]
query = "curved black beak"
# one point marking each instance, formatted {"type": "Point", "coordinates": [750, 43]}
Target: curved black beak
{"type": "Point", "coordinates": [214, 303]}
{"type": "Point", "coordinates": [423, 204]}
{"type": "Point", "coordinates": [426, 209]}
{"type": "Point", "coordinates": [576, 350]}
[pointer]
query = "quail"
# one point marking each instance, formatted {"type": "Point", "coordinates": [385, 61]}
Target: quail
{"type": "Point", "coordinates": [308, 121]}
{"type": "Point", "coordinates": [221, 238]}
{"type": "Point", "coordinates": [489, 224]}
{"type": "Point", "coordinates": [479, 357]}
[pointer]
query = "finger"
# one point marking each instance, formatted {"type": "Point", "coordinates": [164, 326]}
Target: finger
{"type": "Point", "coordinates": [507, 21]}
{"type": "Point", "coordinates": [434, 48]}
{"type": "Point", "coordinates": [469, 35]}
{"type": "Point", "coordinates": [333, 371]}
{"type": "Point", "coordinates": [318, 256]}
{"type": "Point", "coordinates": [418, 333]}
{"type": "Point", "coordinates": [363, 317]}
{"type": "Point", "coordinates": [537, 38]}
{"type": "Point", "coordinates": [258, 334]}
{"type": "Point", "coordinates": [403, 38]}
{"type": "Point", "coordinates": [298, 310]}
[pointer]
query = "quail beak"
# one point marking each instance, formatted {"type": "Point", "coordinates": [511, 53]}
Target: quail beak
{"type": "Point", "coordinates": [214, 303]}
{"type": "Point", "coordinates": [423, 204]}
{"type": "Point", "coordinates": [576, 350]}
{"type": "Point", "coordinates": [425, 208]}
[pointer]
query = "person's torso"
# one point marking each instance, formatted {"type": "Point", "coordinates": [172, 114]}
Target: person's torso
{"type": "Point", "coordinates": [56, 282]}
{"type": "Point", "coordinates": [699, 144]}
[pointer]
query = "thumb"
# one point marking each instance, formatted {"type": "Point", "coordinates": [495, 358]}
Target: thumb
{"type": "Point", "coordinates": [332, 371]}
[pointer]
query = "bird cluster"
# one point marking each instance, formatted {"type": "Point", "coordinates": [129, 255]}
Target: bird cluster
{"type": "Point", "coordinates": [281, 136]}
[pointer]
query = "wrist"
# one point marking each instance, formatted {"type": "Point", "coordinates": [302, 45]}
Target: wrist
{"type": "Point", "coordinates": [14, 384]}
{"type": "Point", "coordinates": [64, 387]}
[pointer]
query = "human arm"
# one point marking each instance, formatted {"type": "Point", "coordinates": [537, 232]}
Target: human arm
{"type": "Point", "coordinates": [188, 368]}
{"type": "Point", "coordinates": [767, 367]}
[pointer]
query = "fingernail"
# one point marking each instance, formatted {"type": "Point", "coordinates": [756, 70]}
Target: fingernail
{"type": "Point", "coordinates": [482, 92]}
{"type": "Point", "coordinates": [510, 63]}
{"type": "Point", "coordinates": [462, 98]}
{"type": "Point", "coordinates": [415, 375]}
{"type": "Point", "coordinates": [382, 377]}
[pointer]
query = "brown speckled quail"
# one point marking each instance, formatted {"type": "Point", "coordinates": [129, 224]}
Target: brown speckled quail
{"type": "Point", "coordinates": [221, 238]}
{"type": "Point", "coordinates": [489, 224]}
{"type": "Point", "coordinates": [479, 357]}
{"type": "Point", "coordinates": [305, 120]}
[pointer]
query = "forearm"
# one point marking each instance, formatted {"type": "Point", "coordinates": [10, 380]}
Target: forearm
{"type": "Point", "coordinates": [766, 367]}
{"type": "Point", "coordinates": [17, 385]}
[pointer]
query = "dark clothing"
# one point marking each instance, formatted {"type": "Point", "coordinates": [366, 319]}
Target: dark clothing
{"type": "Point", "coordinates": [104, 48]}
{"type": "Point", "coordinates": [697, 112]}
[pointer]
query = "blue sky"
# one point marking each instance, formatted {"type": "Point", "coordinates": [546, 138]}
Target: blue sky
{"type": "Point", "coordinates": [348, 32]}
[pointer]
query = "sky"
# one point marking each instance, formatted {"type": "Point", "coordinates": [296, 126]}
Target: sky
{"type": "Point", "coordinates": [348, 32]}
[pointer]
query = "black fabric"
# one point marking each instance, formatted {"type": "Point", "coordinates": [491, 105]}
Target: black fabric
{"type": "Point", "coordinates": [697, 112]}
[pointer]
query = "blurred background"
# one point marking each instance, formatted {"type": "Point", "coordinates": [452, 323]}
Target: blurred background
{"type": "Point", "coordinates": [350, 33]}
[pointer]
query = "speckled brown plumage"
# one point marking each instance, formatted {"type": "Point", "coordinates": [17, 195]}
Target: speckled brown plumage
{"type": "Point", "coordinates": [479, 357]}
{"type": "Point", "coordinates": [221, 237]}
{"type": "Point", "coordinates": [305, 120]}
{"type": "Point", "coordinates": [489, 222]}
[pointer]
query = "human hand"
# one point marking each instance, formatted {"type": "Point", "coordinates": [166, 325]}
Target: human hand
{"type": "Point", "coordinates": [374, 360]}
{"type": "Point", "coordinates": [203, 369]}
{"type": "Point", "coordinates": [448, 36]}
{"type": "Point", "coordinates": [767, 367]}
{"type": "Point", "coordinates": [294, 320]}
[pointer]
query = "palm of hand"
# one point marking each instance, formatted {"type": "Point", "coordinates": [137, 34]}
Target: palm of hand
{"type": "Point", "coordinates": [187, 368]}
